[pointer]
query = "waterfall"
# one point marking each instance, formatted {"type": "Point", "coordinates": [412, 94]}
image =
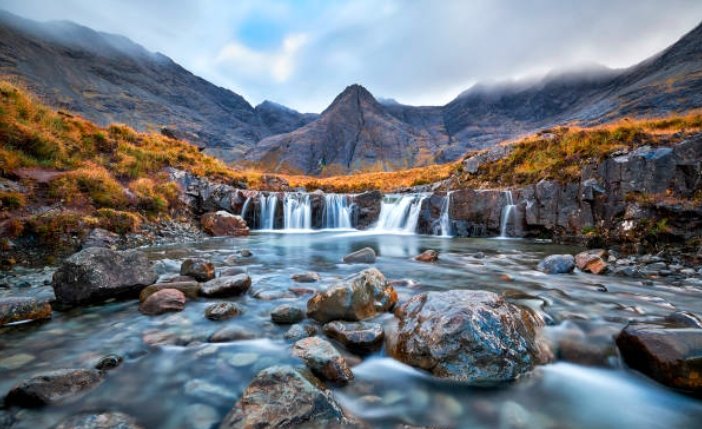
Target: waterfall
{"type": "Point", "coordinates": [444, 220]}
{"type": "Point", "coordinates": [400, 213]}
{"type": "Point", "coordinates": [506, 213]}
{"type": "Point", "coordinates": [268, 206]}
{"type": "Point", "coordinates": [337, 212]}
{"type": "Point", "coordinates": [245, 207]}
{"type": "Point", "coordinates": [297, 212]}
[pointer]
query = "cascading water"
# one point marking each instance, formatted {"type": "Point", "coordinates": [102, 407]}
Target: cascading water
{"type": "Point", "coordinates": [400, 213]}
{"type": "Point", "coordinates": [337, 212]}
{"type": "Point", "coordinates": [268, 206]}
{"type": "Point", "coordinates": [444, 221]}
{"type": "Point", "coordinates": [245, 207]}
{"type": "Point", "coordinates": [507, 210]}
{"type": "Point", "coordinates": [297, 212]}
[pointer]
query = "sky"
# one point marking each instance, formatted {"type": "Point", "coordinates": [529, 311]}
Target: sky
{"type": "Point", "coordinates": [302, 53]}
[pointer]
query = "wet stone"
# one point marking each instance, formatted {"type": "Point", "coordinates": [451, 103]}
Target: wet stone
{"type": "Point", "coordinates": [163, 301]}
{"type": "Point", "coordinates": [287, 314]}
{"type": "Point", "coordinates": [362, 337]}
{"type": "Point", "coordinates": [226, 286]}
{"type": "Point", "coordinates": [199, 269]}
{"type": "Point", "coordinates": [15, 309]}
{"type": "Point", "coordinates": [53, 386]}
{"type": "Point", "coordinates": [299, 331]}
{"type": "Point", "coordinates": [557, 264]}
{"type": "Point", "coordinates": [363, 256]}
{"type": "Point", "coordinates": [109, 362]}
{"type": "Point", "coordinates": [105, 420]}
{"type": "Point", "coordinates": [323, 359]}
{"type": "Point", "coordinates": [308, 277]}
{"type": "Point", "coordinates": [222, 311]}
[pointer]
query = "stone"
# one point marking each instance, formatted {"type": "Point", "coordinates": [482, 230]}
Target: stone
{"type": "Point", "coordinates": [557, 264]}
{"type": "Point", "coordinates": [96, 274]}
{"type": "Point", "coordinates": [287, 314]}
{"type": "Point", "coordinates": [17, 309]}
{"type": "Point", "coordinates": [229, 334]}
{"type": "Point", "coordinates": [308, 277]}
{"type": "Point", "coordinates": [468, 335]}
{"type": "Point", "coordinates": [199, 269]}
{"type": "Point", "coordinates": [356, 298]}
{"type": "Point", "coordinates": [282, 397]}
{"type": "Point", "coordinates": [222, 223]}
{"type": "Point", "coordinates": [592, 261]}
{"type": "Point", "coordinates": [103, 420]}
{"type": "Point", "coordinates": [427, 256]}
{"type": "Point", "coordinates": [232, 271]}
{"type": "Point", "coordinates": [98, 237]}
{"type": "Point", "coordinates": [191, 289]}
{"type": "Point", "coordinates": [323, 359]}
{"type": "Point", "coordinates": [357, 337]}
{"type": "Point", "coordinates": [670, 356]}
{"type": "Point", "coordinates": [363, 256]}
{"type": "Point", "coordinates": [222, 311]}
{"type": "Point", "coordinates": [163, 301]}
{"type": "Point", "coordinates": [226, 286]}
{"type": "Point", "coordinates": [53, 387]}
{"type": "Point", "coordinates": [109, 362]}
{"type": "Point", "coordinates": [299, 331]}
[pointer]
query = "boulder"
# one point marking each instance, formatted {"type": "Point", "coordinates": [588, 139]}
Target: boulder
{"type": "Point", "coordinates": [427, 256]}
{"type": "Point", "coordinates": [199, 269]}
{"type": "Point", "coordinates": [282, 397]}
{"type": "Point", "coordinates": [223, 223]}
{"type": "Point", "coordinates": [592, 261]}
{"type": "Point", "coordinates": [163, 301]}
{"type": "Point", "coordinates": [226, 286]}
{"type": "Point", "coordinates": [468, 335]}
{"type": "Point", "coordinates": [191, 289]}
{"type": "Point", "coordinates": [96, 274]}
{"type": "Point", "coordinates": [363, 256]}
{"type": "Point", "coordinates": [357, 297]}
{"type": "Point", "coordinates": [53, 386]}
{"type": "Point", "coordinates": [287, 314]}
{"type": "Point", "coordinates": [670, 356]}
{"type": "Point", "coordinates": [308, 277]}
{"type": "Point", "coordinates": [222, 311]}
{"type": "Point", "coordinates": [323, 359]}
{"type": "Point", "coordinates": [104, 420]}
{"type": "Point", "coordinates": [557, 264]}
{"type": "Point", "coordinates": [357, 337]}
{"type": "Point", "coordinates": [16, 309]}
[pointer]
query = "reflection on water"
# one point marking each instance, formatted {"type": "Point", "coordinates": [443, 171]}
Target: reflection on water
{"type": "Point", "coordinates": [186, 382]}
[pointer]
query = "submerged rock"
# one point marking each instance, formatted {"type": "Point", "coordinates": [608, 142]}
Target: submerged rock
{"type": "Point", "coordinates": [357, 297]}
{"type": "Point", "coordinates": [592, 261]}
{"type": "Point", "coordinates": [190, 289]}
{"type": "Point", "coordinates": [106, 420]}
{"type": "Point", "coordinates": [163, 301]}
{"type": "Point", "coordinates": [226, 286]}
{"type": "Point", "coordinates": [299, 331]}
{"type": "Point", "coordinates": [428, 256]}
{"type": "Point", "coordinates": [223, 223]}
{"type": "Point", "coordinates": [323, 359]}
{"type": "Point", "coordinates": [363, 256]}
{"type": "Point", "coordinates": [358, 337]}
{"type": "Point", "coordinates": [109, 362]}
{"type": "Point", "coordinates": [308, 277]}
{"type": "Point", "coordinates": [222, 311]}
{"type": "Point", "coordinates": [467, 335]}
{"type": "Point", "coordinates": [281, 397]}
{"type": "Point", "coordinates": [199, 269]}
{"type": "Point", "coordinates": [53, 386]}
{"type": "Point", "coordinates": [230, 333]}
{"type": "Point", "coordinates": [287, 314]}
{"type": "Point", "coordinates": [96, 274]}
{"type": "Point", "coordinates": [557, 264]}
{"type": "Point", "coordinates": [16, 309]}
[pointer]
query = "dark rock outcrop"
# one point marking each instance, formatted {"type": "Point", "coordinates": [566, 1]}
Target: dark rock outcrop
{"type": "Point", "coordinates": [20, 308]}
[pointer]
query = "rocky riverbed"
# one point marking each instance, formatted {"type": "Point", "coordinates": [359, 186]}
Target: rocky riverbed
{"type": "Point", "coordinates": [280, 329]}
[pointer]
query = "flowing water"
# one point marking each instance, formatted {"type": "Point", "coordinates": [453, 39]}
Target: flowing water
{"type": "Point", "coordinates": [190, 383]}
{"type": "Point", "coordinates": [444, 220]}
{"type": "Point", "coordinates": [268, 207]}
{"type": "Point", "coordinates": [297, 211]}
{"type": "Point", "coordinates": [337, 211]}
{"type": "Point", "coordinates": [400, 213]}
{"type": "Point", "coordinates": [507, 211]}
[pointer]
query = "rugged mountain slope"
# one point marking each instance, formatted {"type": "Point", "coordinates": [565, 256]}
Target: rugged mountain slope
{"type": "Point", "coordinates": [108, 78]}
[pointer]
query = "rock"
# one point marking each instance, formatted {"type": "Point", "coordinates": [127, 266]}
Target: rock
{"type": "Point", "coordinates": [99, 237]}
{"type": "Point", "coordinates": [668, 355]}
{"type": "Point", "coordinates": [281, 397]}
{"type": "Point", "coordinates": [223, 223]}
{"type": "Point", "coordinates": [468, 335]}
{"type": "Point", "coordinates": [191, 289]}
{"type": "Point", "coordinates": [357, 297]}
{"type": "Point", "coordinates": [105, 420]}
{"type": "Point", "coordinates": [287, 314]}
{"type": "Point", "coordinates": [427, 256]}
{"type": "Point", "coordinates": [16, 309]}
{"type": "Point", "coordinates": [228, 272]}
{"type": "Point", "coordinates": [684, 319]}
{"type": "Point", "coordinates": [363, 256]}
{"type": "Point", "coordinates": [592, 261]}
{"type": "Point", "coordinates": [557, 264]}
{"type": "Point", "coordinates": [226, 286]}
{"type": "Point", "coordinates": [361, 337]}
{"type": "Point", "coordinates": [96, 274]}
{"type": "Point", "coordinates": [199, 269]}
{"type": "Point", "coordinates": [16, 361]}
{"type": "Point", "coordinates": [229, 334]}
{"type": "Point", "coordinates": [222, 311]}
{"type": "Point", "coordinates": [298, 332]}
{"type": "Point", "coordinates": [163, 301]}
{"type": "Point", "coordinates": [308, 277]}
{"type": "Point", "coordinates": [53, 386]}
{"type": "Point", "coordinates": [323, 359]}
{"type": "Point", "coordinates": [109, 362]}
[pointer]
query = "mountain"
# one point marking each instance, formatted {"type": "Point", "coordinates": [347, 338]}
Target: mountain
{"type": "Point", "coordinates": [486, 114]}
{"type": "Point", "coordinates": [108, 78]}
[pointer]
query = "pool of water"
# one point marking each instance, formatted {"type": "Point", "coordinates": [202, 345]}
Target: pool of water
{"type": "Point", "coordinates": [186, 382]}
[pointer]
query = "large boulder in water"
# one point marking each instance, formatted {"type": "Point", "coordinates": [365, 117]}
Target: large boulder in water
{"type": "Point", "coordinates": [465, 335]}
{"type": "Point", "coordinates": [53, 386]}
{"type": "Point", "coordinates": [15, 309]}
{"type": "Point", "coordinates": [282, 397]}
{"type": "Point", "coordinates": [96, 274]}
{"type": "Point", "coordinates": [557, 264]}
{"type": "Point", "coordinates": [223, 223]}
{"type": "Point", "coordinates": [357, 297]}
